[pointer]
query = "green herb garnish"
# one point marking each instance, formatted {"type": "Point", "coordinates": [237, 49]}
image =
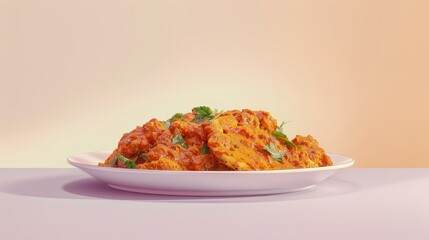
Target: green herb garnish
{"type": "Point", "coordinates": [205, 150]}
{"type": "Point", "coordinates": [113, 161]}
{"type": "Point", "coordinates": [278, 133]}
{"type": "Point", "coordinates": [178, 139]}
{"type": "Point", "coordinates": [143, 156]}
{"type": "Point", "coordinates": [128, 163]}
{"type": "Point", "coordinates": [282, 136]}
{"type": "Point", "coordinates": [280, 128]}
{"type": "Point", "coordinates": [275, 154]}
{"type": "Point", "coordinates": [170, 120]}
{"type": "Point", "coordinates": [290, 143]}
{"type": "Point", "coordinates": [177, 115]}
{"type": "Point", "coordinates": [204, 113]}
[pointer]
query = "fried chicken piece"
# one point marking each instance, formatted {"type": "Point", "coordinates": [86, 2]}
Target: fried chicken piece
{"type": "Point", "coordinates": [151, 147]}
{"type": "Point", "coordinates": [234, 140]}
{"type": "Point", "coordinates": [307, 153]}
{"type": "Point", "coordinates": [195, 137]}
{"type": "Point", "coordinates": [238, 138]}
{"type": "Point", "coordinates": [138, 141]}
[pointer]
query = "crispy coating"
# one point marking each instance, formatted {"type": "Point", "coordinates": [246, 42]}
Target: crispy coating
{"type": "Point", "coordinates": [308, 153]}
{"type": "Point", "coordinates": [140, 140]}
{"type": "Point", "coordinates": [238, 138]}
{"type": "Point", "coordinates": [151, 147]}
{"type": "Point", "coordinates": [233, 140]}
{"type": "Point", "coordinates": [161, 164]}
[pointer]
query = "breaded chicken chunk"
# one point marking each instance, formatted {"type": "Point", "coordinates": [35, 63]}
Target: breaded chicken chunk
{"type": "Point", "coordinates": [176, 146]}
{"type": "Point", "coordinates": [238, 139]}
{"type": "Point", "coordinates": [242, 140]}
{"type": "Point", "coordinates": [307, 153]}
{"type": "Point", "coordinates": [205, 140]}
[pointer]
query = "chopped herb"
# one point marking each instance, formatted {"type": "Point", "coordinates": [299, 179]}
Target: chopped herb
{"type": "Point", "coordinates": [278, 133]}
{"type": "Point", "coordinates": [205, 150]}
{"type": "Point", "coordinates": [280, 128]}
{"type": "Point", "coordinates": [170, 120]}
{"type": "Point", "coordinates": [128, 163]}
{"type": "Point", "coordinates": [275, 154]}
{"type": "Point", "coordinates": [113, 161]}
{"type": "Point", "coordinates": [282, 136]}
{"type": "Point", "coordinates": [290, 143]}
{"type": "Point", "coordinates": [143, 156]}
{"type": "Point", "coordinates": [178, 139]}
{"type": "Point", "coordinates": [177, 115]}
{"type": "Point", "coordinates": [166, 124]}
{"type": "Point", "coordinates": [204, 113]}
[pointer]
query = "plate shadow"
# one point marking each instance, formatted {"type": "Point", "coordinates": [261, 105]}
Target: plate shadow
{"type": "Point", "coordinates": [78, 187]}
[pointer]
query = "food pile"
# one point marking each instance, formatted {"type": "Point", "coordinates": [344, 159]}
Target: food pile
{"type": "Point", "coordinates": [209, 140]}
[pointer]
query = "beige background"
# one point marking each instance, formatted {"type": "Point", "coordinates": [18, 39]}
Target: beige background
{"type": "Point", "coordinates": [75, 75]}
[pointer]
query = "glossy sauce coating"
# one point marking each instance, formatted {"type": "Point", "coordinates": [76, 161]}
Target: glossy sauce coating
{"type": "Point", "coordinates": [234, 140]}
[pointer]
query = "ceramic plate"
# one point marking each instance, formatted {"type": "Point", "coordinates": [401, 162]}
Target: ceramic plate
{"type": "Point", "coordinates": [207, 183]}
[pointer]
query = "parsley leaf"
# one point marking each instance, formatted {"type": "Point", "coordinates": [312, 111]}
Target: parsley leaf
{"type": "Point", "coordinates": [178, 139]}
{"type": "Point", "coordinates": [290, 143]}
{"type": "Point", "coordinates": [170, 120]}
{"type": "Point", "coordinates": [278, 133]}
{"type": "Point", "coordinates": [177, 115]}
{"type": "Point", "coordinates": [204, 113]}
{"type": "Point", "coordinates": [282, 136]}
{"type": "Point", "coordinates": [275, 154]}
{"type": "Point", "coordinates": [128, 163]}
{"type": "Point", "coordinates": [205, 150]}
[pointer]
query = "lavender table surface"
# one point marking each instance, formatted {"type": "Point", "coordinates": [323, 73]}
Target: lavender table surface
{"type": "Point", "coordinates": [353, 204]}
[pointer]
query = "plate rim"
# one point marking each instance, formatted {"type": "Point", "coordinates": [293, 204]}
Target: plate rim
{"type": "Point", "coordinates": [71, 160]}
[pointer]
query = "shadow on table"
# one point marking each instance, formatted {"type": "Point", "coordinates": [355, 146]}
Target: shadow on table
{"type": "Point", "coordinates": [73, 186]}
{"type": "Point", "coordinates": [76, 187]}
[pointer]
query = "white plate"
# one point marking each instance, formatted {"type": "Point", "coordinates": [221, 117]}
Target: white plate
{"type": "Point", "coordinates": [206, 183]}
